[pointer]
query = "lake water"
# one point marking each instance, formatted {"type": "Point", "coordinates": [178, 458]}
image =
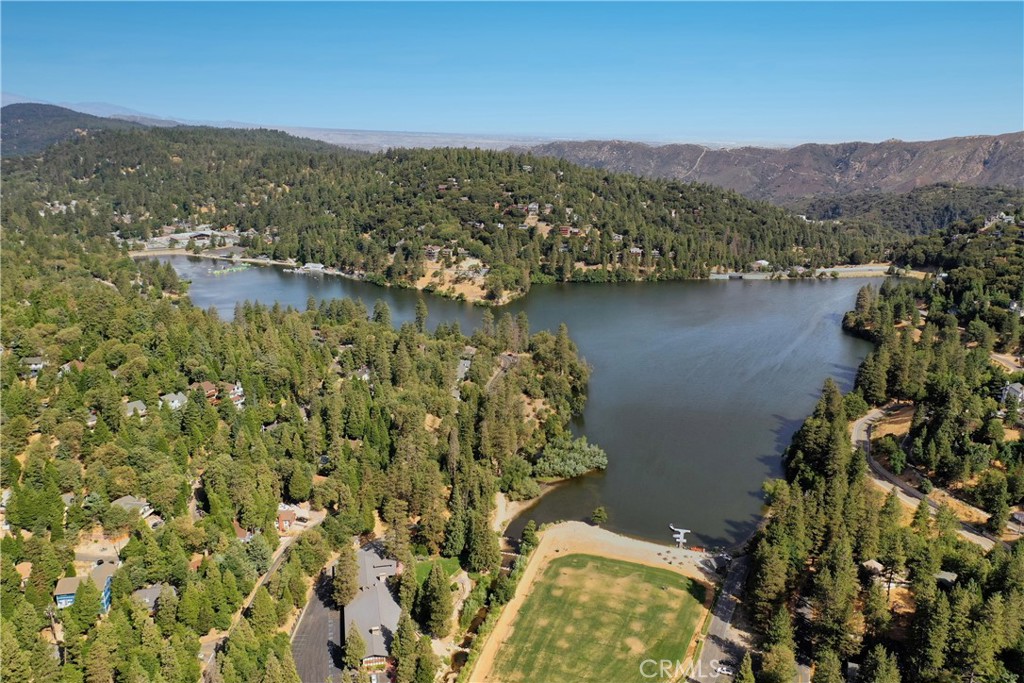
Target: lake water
{"type": "Point", "coordinates": [696, 388]}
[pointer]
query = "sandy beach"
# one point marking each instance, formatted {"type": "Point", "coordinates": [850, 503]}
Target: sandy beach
{"type": "Point", "coordinates": [506, 510]}
{"type": "Point", "coordinates": [566, 538]}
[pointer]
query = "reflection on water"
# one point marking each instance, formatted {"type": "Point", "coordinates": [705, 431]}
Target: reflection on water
{"type": "Point", "coordinates": [697, 386]}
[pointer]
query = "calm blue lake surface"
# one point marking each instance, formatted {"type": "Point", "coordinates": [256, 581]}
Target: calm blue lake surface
{"type": "Point", "coordinates": [696, 389]}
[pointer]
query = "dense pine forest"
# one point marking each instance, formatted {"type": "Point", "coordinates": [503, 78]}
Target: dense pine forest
{"type": "Point", "coordinates": [116, 389]}
{"type": "Point", "coordinates": [527, 219]}
{"type": "Point", "coordinates": [844, 573]}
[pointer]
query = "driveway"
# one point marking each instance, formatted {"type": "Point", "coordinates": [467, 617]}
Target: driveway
{"type": "Point", "coordinates": [316, 644]}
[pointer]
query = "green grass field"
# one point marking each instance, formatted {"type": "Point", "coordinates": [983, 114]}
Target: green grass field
{"type": "Point", "coordinates": [449, 565]}
{"type": "Point", "coordinates": [589, 618]}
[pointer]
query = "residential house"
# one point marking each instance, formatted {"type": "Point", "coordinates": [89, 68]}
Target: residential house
{"type": "Point", "coordinates": [234, 393]}
{"type": "Point", "coordinates": [285, 520]}
{"type": "Point", "coordinates": [313, 267]}
{"type": "Point", "coordinates": [431, 252]}
{"type": "Point", "coordinates": [373, 612]}
{"type": "Point", "coordinates": [1016, 390]}
{"type": "Point", "coordinates": [64, 592]}
{"type": "Point", "coordinates": [946, 579]}
{"type": "Point", "coordinates": [149, 596]}
{"type": "Point", "coordinates": [102, 575]}
{"type": "Point", "coordinates": [209, 389]}
{"type": "Point", "coordinates": [75, 365]}
{"type": "Point", "coordinates": [33, 365]}
{"type": "Point", "coordinates": [134, 408]}
{"type": "Point", "coordinates": [91, 419]}
{"type": "Point", "coordinates": [174, 401]}
{"type": "Point", "coordinates": [133, 504]}
{"type": "Point", "coordinates": [241, 534]}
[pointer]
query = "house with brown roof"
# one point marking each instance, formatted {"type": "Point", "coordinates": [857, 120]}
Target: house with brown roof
{"type": "Point", "coordinates": [241, 534]}
{"type": "Point", "coordinates": [208, 388]}
{"type": "Point", "coordinates": [285, 520]}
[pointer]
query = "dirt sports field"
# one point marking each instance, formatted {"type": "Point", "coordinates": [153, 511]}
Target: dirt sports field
{"type": "Point", "coordinates": [580, 617]}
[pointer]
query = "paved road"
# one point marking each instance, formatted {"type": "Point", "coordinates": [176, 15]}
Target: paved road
{"type": "Point", "coordinates": [861, 436]}
{"type": "Point", "coordinates": [724, 643]}
{"type": "Point", "coordinates": [316, 645]}
{"type": "Point", "coordinates": [1008, 361]}
{"type": "Point", "coordinates": [209, 648]}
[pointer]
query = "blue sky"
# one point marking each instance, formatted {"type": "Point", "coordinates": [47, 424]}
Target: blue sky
{"type": "Point", "coordinates": [700, 72]}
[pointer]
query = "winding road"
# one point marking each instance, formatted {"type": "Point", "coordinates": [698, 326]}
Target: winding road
{"type": "Point", "coordinates": [860, 433]}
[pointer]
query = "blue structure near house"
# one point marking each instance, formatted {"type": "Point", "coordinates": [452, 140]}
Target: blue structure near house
{"type": "Point", "coordinates": [102, 576]}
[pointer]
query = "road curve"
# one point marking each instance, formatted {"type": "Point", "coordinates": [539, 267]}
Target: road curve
{"type": "Point", "coordinates": [860, 434]}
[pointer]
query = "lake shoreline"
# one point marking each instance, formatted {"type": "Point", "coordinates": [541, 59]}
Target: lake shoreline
{"type": "Point", "coordinates": [673, 364]}
{"type": "Point", "coordinates": [823, 274]}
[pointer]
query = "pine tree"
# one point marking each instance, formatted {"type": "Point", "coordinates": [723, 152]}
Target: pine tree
{"type": "Point", "coordinates": [189, 606]}
{"type": "Point", "coordinates": [879, 667]}
{"type": "Point", "coordinates": [167, 609]}
{"type": "Point", "coordinates": [876, 610]}
{"type": "Point", "coordinates": [780, 630]}
{"type": "Point", "coordinates": [454, 533]}
{"type": "Point", "coordinates": [483, 553]}
{"type": "Point", "coordinates": [262, 614]}
{"type": "Point", "coordinates": [421, 315]}
{"type": "Point", "coordinates": [427, 662]}
{"type": "Point", "coordinates": [768, 582]}
{"type": "Point", "coordinates": [778, 666]}
{"type": "Point", "coordinates": [833, 601]}
{"type": "Point", "coordinates": [100, 664]}
{"type": "Point", "coordinates": [273, 673]}
{"type": "Point", "coordinates": [355, 648]}
{"type": "Point", "coordinates": [87, 605]}
{"type": "Point", "coordinates": [746, 672]}
{"type": "Point", "coordinates": [345, 585]}
{"type": "Point", "coordinates": [403, 648]}
{"type": "Point", "coordinates": [436, 603]}
{"type": "Point", "coordinates": [14, 662]}
{"type": "Point", "coordinates": [828, 668]}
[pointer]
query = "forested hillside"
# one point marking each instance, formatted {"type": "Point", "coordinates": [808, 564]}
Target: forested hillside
{"type": "Point", "coordinates": [27, 128]}
{"type": "Point", "coordinates": [842, 573]}
{"type": "Point", "coordinates": [923, 210]}
{"type": "Point", "coordinates": [116, 389]}
{"type": "Point", "coordinates": [527, 219]}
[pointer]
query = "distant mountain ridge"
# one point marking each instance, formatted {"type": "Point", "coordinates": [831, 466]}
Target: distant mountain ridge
{"type": "Point", "coordinates": [29, 128]}
{"type": "Point", "coordinates": [785, 176]}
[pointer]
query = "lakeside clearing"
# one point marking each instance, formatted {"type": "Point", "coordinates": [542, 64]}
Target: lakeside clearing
{"type": "Point", "coordinates": [586, 587]}
{"type": "Point", "coordinates": [455, 284]}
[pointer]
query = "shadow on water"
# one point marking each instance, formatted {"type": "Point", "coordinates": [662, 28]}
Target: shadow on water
{"type": "Point", "coordinates": [784, 431]}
